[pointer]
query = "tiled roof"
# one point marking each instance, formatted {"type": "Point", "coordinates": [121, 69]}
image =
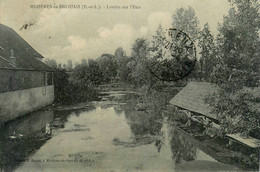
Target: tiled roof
{"type": "Point", "coordinates": [26, 56]}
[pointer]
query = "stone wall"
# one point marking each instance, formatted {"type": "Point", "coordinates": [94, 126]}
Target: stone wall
{"type": "Point", "coordinates": [17, 103]}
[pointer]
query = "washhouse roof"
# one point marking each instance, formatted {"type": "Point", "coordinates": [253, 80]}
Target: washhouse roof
{"type": "Point", "coordinates": [192, 98]}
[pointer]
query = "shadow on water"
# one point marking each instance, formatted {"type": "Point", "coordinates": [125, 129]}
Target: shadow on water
{"type": "Point", "coordinates": [21, 138]}
{"type": "Point", "coordinates": [182, 148]}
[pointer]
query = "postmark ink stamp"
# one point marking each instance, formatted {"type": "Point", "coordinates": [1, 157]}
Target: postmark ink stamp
{"type": "Point", "coordinates": [177, 58]}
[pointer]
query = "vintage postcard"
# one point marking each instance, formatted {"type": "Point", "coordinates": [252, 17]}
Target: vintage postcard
{"type": "Point", "coordinates": [129, 85]}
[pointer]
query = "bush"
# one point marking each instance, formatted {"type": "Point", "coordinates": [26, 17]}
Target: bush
{"type": "Point", "coordinates": [68, 92]}
{"type": "Point", "coordinates": [153, 99]}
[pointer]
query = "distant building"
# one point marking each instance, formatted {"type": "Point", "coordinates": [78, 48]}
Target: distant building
{"type": "Point", "coordinates": [26, 83]}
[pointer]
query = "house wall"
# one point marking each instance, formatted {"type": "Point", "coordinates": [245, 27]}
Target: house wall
{"type": "Point", "coordinates": [17, 103]}
{"type": "Point", "coordinates": [13, 80]}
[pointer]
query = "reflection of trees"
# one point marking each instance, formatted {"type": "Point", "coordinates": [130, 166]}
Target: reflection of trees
{"type": "Point", "coordinates": [181, 146]}
{"type": "Point", "coordinates": [61, 117]}
{"type": "Point", "coordinates": [142, 123]}
{"type": "Point", "coordinates": [107, 105]}
{"type": "Point", "coordinates": [118, 110]}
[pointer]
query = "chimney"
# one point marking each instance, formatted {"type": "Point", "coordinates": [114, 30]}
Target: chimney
{"type": "Point", "coordinates": [12, 58]}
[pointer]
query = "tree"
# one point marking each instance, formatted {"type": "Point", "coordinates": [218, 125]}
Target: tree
{"type": "Point", "coordinates": [87, 74]}
{"type": "Point", "coordinates": [237, 71]}
{"type": "Point", "coordinates": [94, 73]}
{"type": "Point", "coordinates": [119, 52]}
{"type": "Point", "coordinates": [140, 49]}
{"type": "Point", "coordinates": [121, 60]}
{"type": "Point", "coordinates": [156, 51]}
{"type": "Point", "coordinates": [186, 20]}
{"type": "Point", "coordinates": [156, 45]}
{"type": "Point", "coordinates": [84, 62]}
{"type": "Point", "coordinates": [61, 82]}
{"type": "Point", "coordinates": [140, 74]}
{"type": "Point", "coordinates": [238, 44]}
{"type": "Point", "coordinates": [78, 88]}
{"type": "Point", "coordinates": [107, 66]}
{"type": "Point", "coordinates": [51, 62]}
{"type": "Point", "coordinates": [69, 65]}
{"type": "Point", "coordinates": [207, 59]}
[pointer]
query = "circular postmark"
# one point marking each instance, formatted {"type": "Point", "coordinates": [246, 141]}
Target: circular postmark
{"type": "Point", "coordinates": [175, 57]}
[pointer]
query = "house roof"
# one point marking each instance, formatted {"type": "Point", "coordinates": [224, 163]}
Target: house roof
{"type": "Point", "coordinates": [192, 98]}
{"type": "Point", "coordinates": [26, 56]}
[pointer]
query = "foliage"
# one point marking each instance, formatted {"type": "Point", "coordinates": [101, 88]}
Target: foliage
{"type": "Point", "coordinates": [238, 68]}
{"type": "Point", "coordinates": [61, 82]}
{"type": "Point", "coordinates": [156, 45]}
{"type": "Point", "coordinates": [67, 92]}
{"type": "Point", "coordinates": [186, 20]}
{"type": "Point", "coordinates": [87, 74]}
{"type": "Point", "coordinates": [51, 62]}
{"type": "Point", "coordinates": [140, 74]}
{"type": "Point", "coordinates": [69, 65]}
{"type": "Point", "coordinates": [123, 70]}
{"type": "Point", "coordinates": [238, 44]}
{"type": "Point", "coordinates": [207, 59]}
{"type": "Point", "coordinates": [156, 100]}
{"type": "Point", "coordinates": [237, 112]}
{"type": "Point", "coordinates": [108, 67]}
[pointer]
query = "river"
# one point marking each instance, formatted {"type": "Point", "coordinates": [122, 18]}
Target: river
{"type": "Point", "coordinates": [107, 135]}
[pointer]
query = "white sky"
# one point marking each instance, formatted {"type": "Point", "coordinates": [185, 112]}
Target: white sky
{"type": "Point", "coordinates": [76, 34]}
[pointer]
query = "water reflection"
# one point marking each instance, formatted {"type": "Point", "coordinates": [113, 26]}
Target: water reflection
{"type": "Point", "coordinates": [114, 135]}
{"type": "Point", "coordinates": [182, 147]}
{"type": "Point", "coordinates": [142, 123]}
{"type": "Point", "coordinates": [21, 138]}
{"type": "Point", "coordinates": [118, 110]}
{"type": "Point", "coordinates": [166, 138]}
{"type": "Point", "coordinates": [61, 116]}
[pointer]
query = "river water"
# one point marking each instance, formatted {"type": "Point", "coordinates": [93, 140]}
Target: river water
{"type": "Point", "coordinates": [108, 135]}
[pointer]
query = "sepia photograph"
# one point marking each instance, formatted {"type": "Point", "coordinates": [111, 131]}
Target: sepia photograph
{"type": "Point", "coordinates": [129, 85]}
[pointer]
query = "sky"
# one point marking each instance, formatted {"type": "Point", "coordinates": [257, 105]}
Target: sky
{"type": "Point", "coordinates": [77, 34]}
